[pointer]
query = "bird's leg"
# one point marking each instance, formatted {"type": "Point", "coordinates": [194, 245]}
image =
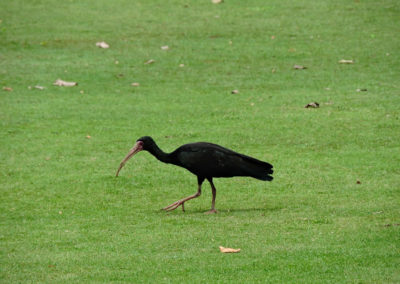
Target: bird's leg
{"type": "Point", "coordinates": [214, 194]}
{"type": "Point", "coordinates": [176, 204]}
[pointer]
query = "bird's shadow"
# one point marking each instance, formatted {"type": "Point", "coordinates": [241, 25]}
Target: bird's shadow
{"type": "Point", "coordinates": [224, 212]}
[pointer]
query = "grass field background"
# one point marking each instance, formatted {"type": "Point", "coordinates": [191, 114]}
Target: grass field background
{"type": "Point", "coordinates": [65, 218]}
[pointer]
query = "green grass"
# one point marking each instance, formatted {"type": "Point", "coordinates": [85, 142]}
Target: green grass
{"type": "Point", "coordinates": [65, 218]}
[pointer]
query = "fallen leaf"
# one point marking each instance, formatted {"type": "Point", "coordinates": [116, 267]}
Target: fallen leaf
{"type": "Point", "coordinates": [299, 67]}
{"type": "Point", "coordinates": [312, 105]}
{"type": "Point", "coordinates": [181, 65]}
{"type": "Point", "coordinates": [165, 47]}
{"type": "Point", "coordinates": [63, 83]}
{"type": "Point", "coordinates": [235, 92]}
{"type": "Point", "coordinates": [102, 44]}
{"type": "Point", "coordinates": [151, 61]}
{"type": "Point", "coordinates": [8, 89]}
{"type": "Point", "coordinates": [135, 84]}
{"type": "Point", "coordinates": [345, 61]}
{"type": "Point", "coordinates": [216, 1]}
{"type": "Point", "coordinates": [88, 136]}
{"type": "Point", "coordinates": [273, 37]}
{"type": "Point", "coordinates": [82, 91]}
{"type": "Point", "coordinates": [228, 250]}
{"type": "Point", "coordinates": [60, 212]}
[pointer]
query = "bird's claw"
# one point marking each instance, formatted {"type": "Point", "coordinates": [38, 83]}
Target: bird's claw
{"type": "Point", "coordinates": [175, 205]}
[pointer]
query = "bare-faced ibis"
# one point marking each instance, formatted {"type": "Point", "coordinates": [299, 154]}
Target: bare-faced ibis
{"type": "Point", "coordinates": [206, 161]}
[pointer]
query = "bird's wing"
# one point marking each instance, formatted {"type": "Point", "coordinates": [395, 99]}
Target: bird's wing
{"type": "Point", "coordinates": [211, 160]}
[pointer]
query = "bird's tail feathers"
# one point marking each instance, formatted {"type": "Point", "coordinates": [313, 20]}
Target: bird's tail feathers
{"type": "Point", "coordinates": [261, 172]}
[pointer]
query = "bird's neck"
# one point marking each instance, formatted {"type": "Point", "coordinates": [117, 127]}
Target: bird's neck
{"type": "Point", "coordinates": [159, 154]}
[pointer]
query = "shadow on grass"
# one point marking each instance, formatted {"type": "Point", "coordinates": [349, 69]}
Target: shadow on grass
{"type": "Point", "coordinates": [223, 212]}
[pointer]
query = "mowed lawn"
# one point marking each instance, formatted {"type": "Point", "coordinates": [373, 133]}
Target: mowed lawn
{"type": "Point", "coordinates": [332, 212]}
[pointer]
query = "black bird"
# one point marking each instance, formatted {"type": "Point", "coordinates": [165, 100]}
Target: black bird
{"type": "Point", "coordinates": [206, 161]}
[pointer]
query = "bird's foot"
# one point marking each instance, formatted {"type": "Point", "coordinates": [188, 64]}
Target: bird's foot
{"type": "Point", "coordinates": [212, 211]}
{"type": "Point", "coordinates": [175, 205]}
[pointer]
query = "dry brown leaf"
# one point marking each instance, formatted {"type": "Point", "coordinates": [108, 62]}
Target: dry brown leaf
{"type": "Point", "coordinates": [235, 92]}
{"type": "Point", "coordinates": [88, 136]}
{"type": "Point", "coordinates": [273, 37]}
{"type": "Point", "coordinates": [151, 61]}
{"type": "Point", "coordinates": [165, 47]}
{"type": "Point", "coordinates": [136, 84]}
{"type": "Point", "coordinates": [8, 89]}
{"type": "Point", "coordinates": [216, 1]}
{"type": "Point", "coordinates": [312, 105]}
{"type": "Point", "coordinates": [299, 67]}
{"type": "Point", "coordinates": [228, 250]}
{"type": "Point", "coordinates": [102, 44]}
{"type": "Point", "coordinates": [346, 61]}
{"type": "Point", "coordinates": [181, 65]}
{"type": "Point", "coordinates": [63, 83]}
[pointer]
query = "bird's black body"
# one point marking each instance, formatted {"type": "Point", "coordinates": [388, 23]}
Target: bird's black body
{"type": "Point", "coordinates": [206, 161]}
{"type": "Point", "coordinates": [210, 160]}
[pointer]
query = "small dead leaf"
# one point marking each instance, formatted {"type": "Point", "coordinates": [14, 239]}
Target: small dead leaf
{"type": "Point", "coordinates": [102, 44]}
{"type": "Point", "coordinates": [47, 158]}
{"type": "Point", "coordinates": [273, 37]}
{"type": "Point", "coordinates": [88, 136]}
{"type": "Point", "coordinates": [273, 70]}
{"type": "Point", "coordinates": [165, 47]}
{"type": "Point", "coordinates": [235, 92]}
{"type": "Point", "coordinates": [82, 91]}
{"type": "Point", "coordinates": [299, 67]}
{"type": "Point", "coordinates": [228, 250]}
{"type": "Point", "coordinates": [8, 89]}
{"type": "Point", "coordinates": [116, 62]}
{"type": "Point", "coordinates": [151, 61]}
{"type": "Point", "coordinates": [60, 212]}
{"type": "Point", "coordinates": [63, 83]}
{"type": "Point", "coordinates": [39, 87]}
{"type": "Point", "coordinates": [217, 1]}
{"type": "Point", "coordinates": [136, 84]}
{"type": "Point", "coordinates": [346, 61]}
{"type": "Point", "coordinates": [181, 65]}
{"type": "Point", "coordinates": [292, 49]}
{"type": "Point", "coordinates": [361, 90]}
{"type": "Point", "coordinates": [312, 105]}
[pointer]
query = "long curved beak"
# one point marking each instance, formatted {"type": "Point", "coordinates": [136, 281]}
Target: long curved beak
{"type": "Point", "coordinates": [137, 148]}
